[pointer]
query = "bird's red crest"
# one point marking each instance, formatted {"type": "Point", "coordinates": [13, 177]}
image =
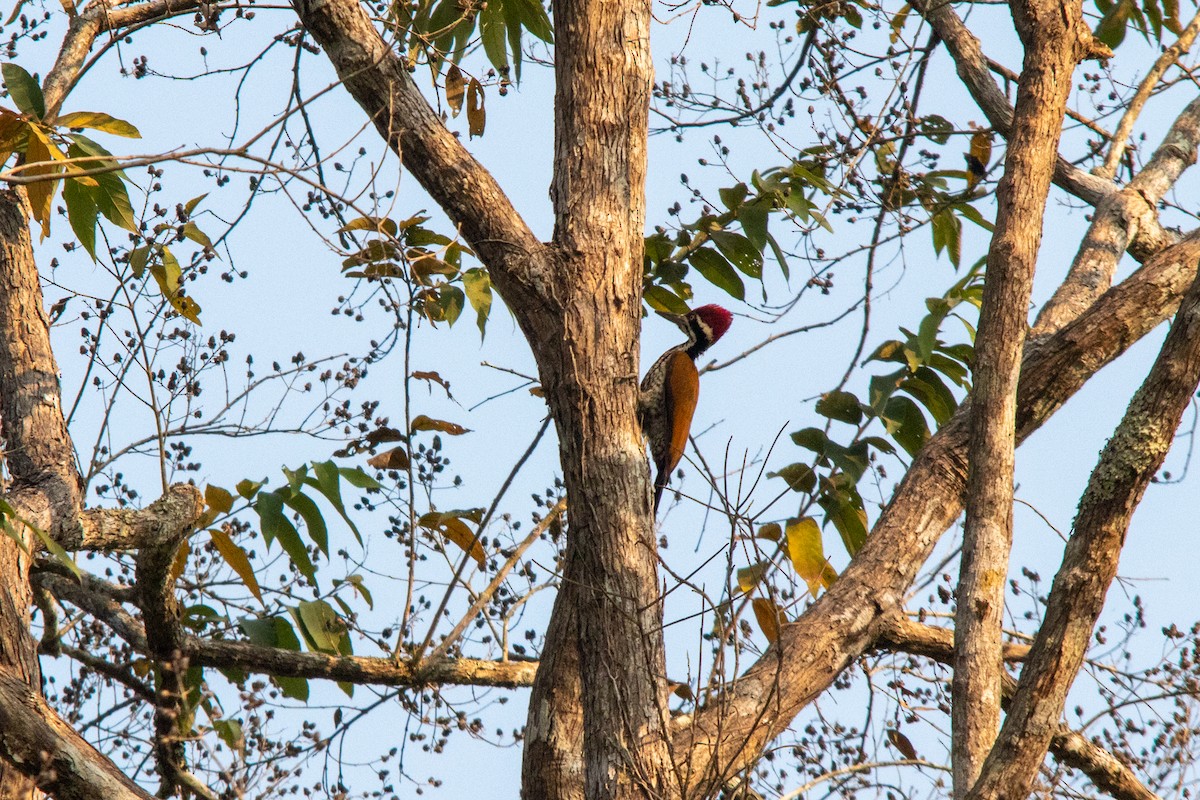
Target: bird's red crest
{"type": "Point", "coordinates": [716, 318]}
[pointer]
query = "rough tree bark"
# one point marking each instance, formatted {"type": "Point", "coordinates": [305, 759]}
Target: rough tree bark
{"type": "Point", "coordinates": [578, 302]}
{"type": "Point", "coordinates": [1055, 40]}
{"type": "Point", "coordinates": [36, 450]}
{"type": "Point", "coordinates": [1129, 461]}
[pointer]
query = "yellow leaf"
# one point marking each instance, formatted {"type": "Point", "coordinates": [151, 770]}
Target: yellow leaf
{"type": "Point", "coordinates": [188, 308]}
{"type": "Point", "coordinates": [769, 616]}
{"type": "Point", "coordinates": [748, 577]}
{"type": "Point", "coordinates": [218, 499]}
{"type": "Point", "coordinates": [456, 531]}
{"type": "Point", "coordinates": [98, 120]}
{"type": "Point", "coordinates": [41, 193]}
{"type": "Point", "coordinates": [455, 89]}
{"type": "Point", "coordinates": [770, 531]}
{"type": "Point", "coordinates": [806, 551]}
{"type": "Point", "coordinates": [476, 116]}
{"type": "Point", "coordinates": [236, 558]}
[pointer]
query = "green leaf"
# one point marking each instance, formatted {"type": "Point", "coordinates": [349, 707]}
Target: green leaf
{"type": "Point", "coordinates": [813, 439]}
{"type": "Point", "coordinates": [492, 33]}
{"type": "Point", "coordinates": [930, 392]}
{"type": "Point", "coordinates": [717, 271]}
{"type": "Point", "coordinates": [535, 19]}
{"type": "Point", "coordinates": [356, 582]}
{"type": "Point", "coordinates": [24, 90]}
{"type": "Point", "coordinates": [277, 632]}
{"type": "Point", "coordinates": [841, 406]}
{"type": "Point", "coordinates": [753, 218]}
{"type": "Point", "coordinates": [229, 731]}
{"type": "Point", "coordinates": [733, 196]}
{"type": "Point", "coordinates": [478, 286]}
{"type": "Point", "coordinates": [661, 298]}
{"type": "Point", "coordinates": [739, 250]}
{"type": "Point", "coordinates": [112, 198]}
{"type": "Point", "coordinates": [248, 488]}
{"type": "Point", "coordinates": [314, 523]}
{"type": "Point", "coordinates": [451, 300]}
{"type": "Point", "coordinates": [192, 231]}
{"type": "Point", "coordinates": [328, 483]}
{"type": "Point", "coordinates": [277, 527]}
{"type": "Point", "coordinates": [190, 205]}
{"type": "Point", "coordinates": [99, 121]}
{"type": "Point", "coordinates": [359, 479]}
{"type": "Point", "coordinates": [799, 477]}
{"type": "Point", "coordinates": [324, 630]}
{"type": "Point", "coordinates": [138, 257]}
{"type": "Point", "coordinates": [906, 424]}
{"type": "Point", "coordinates": [81, 213]}
{"type": "Point", "coordinates": [512, 28]}
{"type": "Point", "coordinates": [947, 235]}
{"type": "Point", "coordinates": [843, 508]}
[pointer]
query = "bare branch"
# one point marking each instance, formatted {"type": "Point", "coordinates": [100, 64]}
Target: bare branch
{"type": "Point", "coordinates": [97, 598]}
{"type": "Point", "coordinates": [98, 17]}
{"type": "Point", "coordinates": [1070, 747]}
{"type": "Point", "coordinates": [1133, 109]}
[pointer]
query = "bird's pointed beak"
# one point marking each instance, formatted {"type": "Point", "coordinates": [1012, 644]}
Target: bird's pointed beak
{"type": "Point", "coordinates": [675, 318]}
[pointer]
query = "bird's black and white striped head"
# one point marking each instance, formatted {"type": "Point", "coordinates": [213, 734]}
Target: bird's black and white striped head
{"type": "Point", "coordinates": [703, 326]}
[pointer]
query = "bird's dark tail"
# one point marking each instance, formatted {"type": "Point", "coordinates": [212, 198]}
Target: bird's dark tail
{"type": "Point", "coordinates": [660, 483]}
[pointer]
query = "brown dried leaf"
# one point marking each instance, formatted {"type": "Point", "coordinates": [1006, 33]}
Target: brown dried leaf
{"type": "Point", "coordinates": [424, 423]}
{"type": "Point", "coordinates": [456, 86]}
{"type": "Point", "coordinates": [901, 743]}
{"type": "Point", "coordinates": [476, 116]}
{"type": "Point", "coordinates": [396, 458]}
{"type": "Point", "coordinates": [770, 617]}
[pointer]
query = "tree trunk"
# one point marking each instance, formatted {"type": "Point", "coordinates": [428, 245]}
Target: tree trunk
{"type": "Point", "coordinates": [36, 451]}
{"type": "Point", "coordinates": [1054, 37]}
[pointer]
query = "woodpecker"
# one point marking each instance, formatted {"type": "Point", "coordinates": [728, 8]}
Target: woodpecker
{"type": "Point", "coordinates": [671, 387]}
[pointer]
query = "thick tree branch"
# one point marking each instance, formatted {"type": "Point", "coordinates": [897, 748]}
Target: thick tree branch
{"type": "Point", "coordinates": [160, 610]}
{"type": "Point", "coordinates": [1127, 464]}
{"type": "Point", "coordinates": [106, 529]}
{"type": "Point", "coordinates": [1055, 38]}
{"type": "Point", "coordinates": [1072, 748]}
{"type": "Point", "coordinates": [43, 746]}
{"type": "Point", "coordinates": [730, 731]}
